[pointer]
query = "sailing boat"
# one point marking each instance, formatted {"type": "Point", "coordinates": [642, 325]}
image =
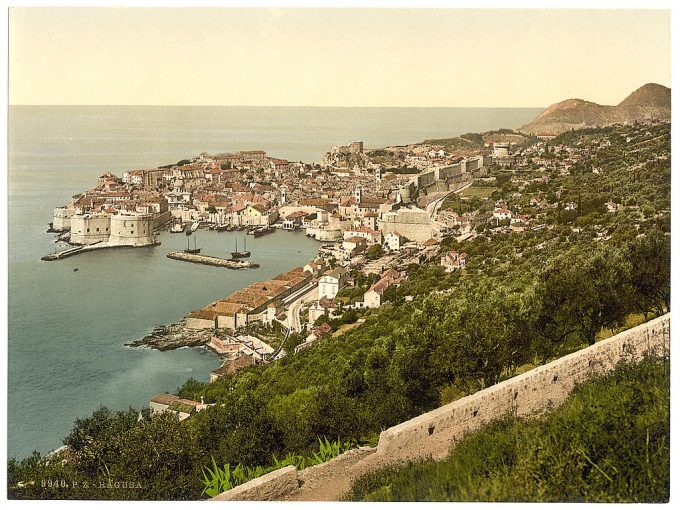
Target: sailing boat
{"type": "Point", "coordinates": [194, 249]}
{"type": "Point", "coordinates": [240, 254]}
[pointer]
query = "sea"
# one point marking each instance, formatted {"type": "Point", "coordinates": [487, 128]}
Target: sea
{"type": "Point", "coordinates": [67, 328]}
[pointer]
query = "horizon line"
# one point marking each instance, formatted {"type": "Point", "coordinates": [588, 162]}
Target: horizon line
{"type": "Point", "coordinates": [264, 106]}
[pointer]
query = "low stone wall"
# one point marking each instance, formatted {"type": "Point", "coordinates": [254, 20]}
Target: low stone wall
{"type": "Point", "coordinates": [269, 487]}
{"type": "Point", "coordinates": [315, 476]}
{"type": "Point", "coordinates": [541, 389]}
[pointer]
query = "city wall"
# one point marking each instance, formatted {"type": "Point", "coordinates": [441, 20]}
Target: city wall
{"type": "Point", "coordinates": [325, 234]}
{"type": "Point", "coordinates": [414, 224]}
{"type": "Point", "coordinates": [431, 435]}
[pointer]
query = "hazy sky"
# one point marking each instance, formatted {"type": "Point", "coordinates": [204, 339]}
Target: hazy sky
{"type": "Point", "coordinates": [333, 57]}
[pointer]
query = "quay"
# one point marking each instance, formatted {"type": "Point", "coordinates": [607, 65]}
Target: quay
{"type": "Point", "coordinates": [212, 261]}
{"type": "Point", "coordinates": [69, 252]}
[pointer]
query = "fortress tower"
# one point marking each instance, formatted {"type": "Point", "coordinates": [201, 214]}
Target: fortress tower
{"type": "Point", "coordinates": [132, 229]}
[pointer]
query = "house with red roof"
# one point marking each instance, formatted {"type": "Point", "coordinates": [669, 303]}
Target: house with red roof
{"type": "Point", "coordinates": [373, 297]}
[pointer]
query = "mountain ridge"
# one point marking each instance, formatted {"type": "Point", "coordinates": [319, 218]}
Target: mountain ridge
{"type": "Point", "coordinates": [649, 102]}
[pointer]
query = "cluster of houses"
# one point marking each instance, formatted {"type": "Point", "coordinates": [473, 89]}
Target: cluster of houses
{"type": "Point", "coordinates": [239, 352]}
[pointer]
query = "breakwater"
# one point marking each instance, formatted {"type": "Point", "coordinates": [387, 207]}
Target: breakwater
{"type": "Point", "coordinates": [212, 261]}
{"type": "Point", "coordinates": [69, 252]}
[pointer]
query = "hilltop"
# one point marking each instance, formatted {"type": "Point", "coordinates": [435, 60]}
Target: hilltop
{"type": "Point", "coordinates": [650, 102]}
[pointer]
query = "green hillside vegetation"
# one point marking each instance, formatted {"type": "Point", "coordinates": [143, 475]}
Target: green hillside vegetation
{"type": "Point", "coordinates": [609, 442]}
{"type": "Point", "coordinates": [456, 143]}
{"type": "Point", "coordinates": [523, 298]}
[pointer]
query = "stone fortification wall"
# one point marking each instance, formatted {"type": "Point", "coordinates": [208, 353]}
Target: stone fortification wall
{"type": "Point", "coordinates": [162, 219]}
{"type": "Point", "coordinates": [449, 172]}
{"type": "Point", "coordinates": [132, 230]}
{"type": "Point", "coordinates": [431, 435]}
{"type": "Point", "coordinates": [325, 234]}
{"type": "Point", "coordinates": [414, 224]}
{"type": "Point", "coordinates": [62, 218]}
{"type": "Point", "coordinates": [89, 228]}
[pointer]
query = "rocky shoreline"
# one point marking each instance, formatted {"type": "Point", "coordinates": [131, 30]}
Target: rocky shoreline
{"type": "Point", "coordinates": [173, 336]}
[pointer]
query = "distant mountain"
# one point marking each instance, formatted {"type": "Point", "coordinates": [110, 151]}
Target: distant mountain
{"type": "Point", "coordinates": [650, 102]}
{"type": "Point", "coordinates": [651, 95]}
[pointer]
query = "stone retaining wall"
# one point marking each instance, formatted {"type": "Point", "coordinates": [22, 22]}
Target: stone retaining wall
{"type": "Point", "coordinates": [431, 435]}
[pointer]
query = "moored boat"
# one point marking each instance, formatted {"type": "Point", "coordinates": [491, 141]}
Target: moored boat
{"type": "Point", "coordinates": [240, 254]}
{"type": "Point", "coordinates": [257, 232]}
{"type": "Point", "coordinates": [177, 228]}
{"type": "Point", "coordinates": [192, 250]}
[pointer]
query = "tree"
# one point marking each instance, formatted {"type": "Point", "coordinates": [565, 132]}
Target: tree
{"type": "Point", "coordinates": [489, 332]}
{"type": "Point", "coordinates": [99, 437]}
{"type": "Point", "coordinates": [579, 293]}
{"type": "Point", "coordinates": [374, 252]}
{"type": "Point", "coordinates": [650, 259]}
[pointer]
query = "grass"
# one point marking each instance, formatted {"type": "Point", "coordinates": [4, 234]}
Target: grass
{"type": "Point", "coordinates": [346, 327]}
{"type": "Point", "coordinates": [609, 442]}
{"type": "Point", "coordinates": [478, 192]}
{"type": "Point", "coordinates": [634, 319]}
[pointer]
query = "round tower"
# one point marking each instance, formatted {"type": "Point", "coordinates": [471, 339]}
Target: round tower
{"type": "Point", "coordinates": [132, 229]}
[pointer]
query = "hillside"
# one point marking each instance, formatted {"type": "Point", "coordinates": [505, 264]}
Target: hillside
{"type": "Point", "coordinates": [561, 457]}
{"type": "Point", "coordinates": [650, 102]}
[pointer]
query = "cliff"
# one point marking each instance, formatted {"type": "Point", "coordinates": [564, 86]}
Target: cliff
{"type": "Point", "coordinates": [650, 102]}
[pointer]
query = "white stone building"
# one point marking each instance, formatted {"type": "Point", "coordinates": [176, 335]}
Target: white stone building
{"type": "Point", "coordinates": [331, 282]}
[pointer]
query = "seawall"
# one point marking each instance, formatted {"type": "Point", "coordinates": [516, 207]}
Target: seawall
{"type": "Point", "coordinates": [431, 435]}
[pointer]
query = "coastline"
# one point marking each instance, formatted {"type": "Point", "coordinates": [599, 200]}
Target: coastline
{"type": "Point", "coordinates": [172, 336]}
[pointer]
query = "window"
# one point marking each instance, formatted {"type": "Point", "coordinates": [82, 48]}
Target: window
{"type": "Point", "coordinates": [97, 230]}
{"type": "Point", "coordinates": [88, 229]}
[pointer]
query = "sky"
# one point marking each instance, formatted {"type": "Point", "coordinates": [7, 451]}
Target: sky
{"type": "Point", "coordinates": [333, 57]}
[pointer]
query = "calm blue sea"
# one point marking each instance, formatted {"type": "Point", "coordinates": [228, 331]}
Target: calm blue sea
{"type": "Point", "coordinates": [66, 328]}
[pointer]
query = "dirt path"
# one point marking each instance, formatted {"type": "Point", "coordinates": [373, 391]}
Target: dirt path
{"type": "Point", "coordinates": [330, 481]}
